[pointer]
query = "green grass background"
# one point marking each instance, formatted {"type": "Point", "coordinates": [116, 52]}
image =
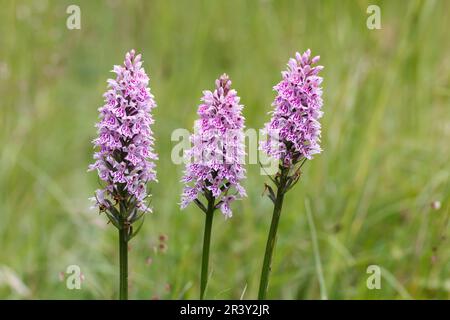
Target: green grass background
{"type": "Point", "coordinates": [386, 133]}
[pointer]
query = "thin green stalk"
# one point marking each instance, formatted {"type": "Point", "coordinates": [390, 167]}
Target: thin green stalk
{"type": "Point", "coordinates": [123, 261]}
{"type": "Point", "coordinates": [319, 270]}
{"type": "Point", "coordinates": [278, 204]}
{"type": "Point", "coordinates": [206, 245]}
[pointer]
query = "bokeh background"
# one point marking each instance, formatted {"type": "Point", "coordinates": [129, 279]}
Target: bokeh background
{"type": "Point", "coordinates": [379, 193]}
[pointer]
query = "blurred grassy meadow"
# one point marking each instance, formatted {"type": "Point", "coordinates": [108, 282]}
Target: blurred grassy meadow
{"type": "Point", "coordinates": [386, 133]}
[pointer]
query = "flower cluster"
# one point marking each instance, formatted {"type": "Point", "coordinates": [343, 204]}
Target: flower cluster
{"type": "Point", "coordinates": [294, 130]}
{"type": "Point", "coordinates": [125, 155]}
{"type": "Point", "coordinates": [218, 149]}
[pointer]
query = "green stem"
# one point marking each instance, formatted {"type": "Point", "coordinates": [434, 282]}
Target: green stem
{"type": "Point", "coordinates": [206, 245]}
{"type": "Point", "coordinates": [264, 282]}
{"type": "Point", "coordinates": [123, 261]}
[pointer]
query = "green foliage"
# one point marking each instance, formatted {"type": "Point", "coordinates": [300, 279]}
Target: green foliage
{"type": "Point", "coordinates": [385, 137]}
